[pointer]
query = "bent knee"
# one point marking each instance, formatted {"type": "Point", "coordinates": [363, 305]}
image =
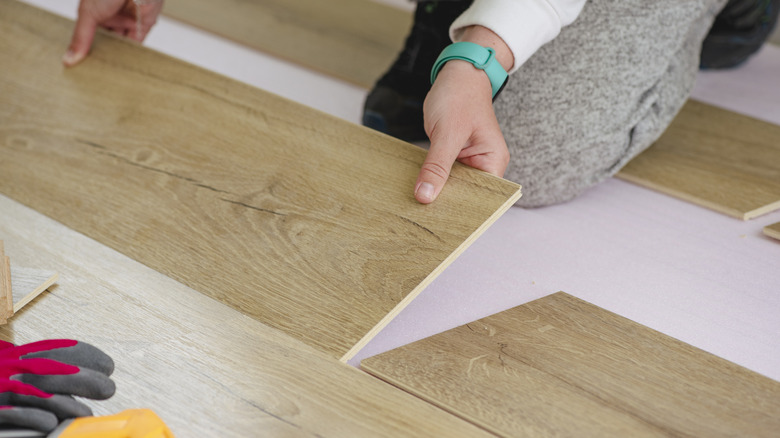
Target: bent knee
{"type": "Point", "coordinates": [560, 175]}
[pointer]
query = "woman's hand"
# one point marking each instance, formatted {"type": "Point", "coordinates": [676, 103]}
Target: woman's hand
{"type": "Point", "coordinates": [460, 121]}
{"type": "Point", "coordinates": [129, 18]}
{"type": "Point", "coordinates": [462, 126]}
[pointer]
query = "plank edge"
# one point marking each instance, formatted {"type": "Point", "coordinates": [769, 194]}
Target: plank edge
{"type": "Point", "coordinates": [762, 210]}
{"type": "Point", "coordinates": [436, 403]}
{"type": "Point", "coordinates": [773, 231]}
{"type": "Point", "coordinates": [692, 199]}
{"type": "Point", "coordinates": [435, 273]}
{"type": "Point", "coordinates": [37, 291]}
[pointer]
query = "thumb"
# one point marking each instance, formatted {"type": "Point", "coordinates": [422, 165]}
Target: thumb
{"type": "Point", "coordinates": [436, 168]}
{"type": "Point", "coordinates": [81, 41]}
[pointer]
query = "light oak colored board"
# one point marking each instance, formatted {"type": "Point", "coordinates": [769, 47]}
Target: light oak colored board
{"type": "Point", "coordinates": [773, 231]}
{"type": "Point", "coordinates": [28, 283]}
{"type": "Point", "coordinates": [714, 158]}
{"type": "Point", "coordinates": [6, 287]}
{"type": "Point", "coordinates": [559, 366]}
{"type": "Point", "coordinates": [9, 287]}
{"type": "Point", "coordinates": [354, 40]}
{"type": "Point", "coordinates": [298, 219]}
{"type": "Point", "coordinates": [206, 369]}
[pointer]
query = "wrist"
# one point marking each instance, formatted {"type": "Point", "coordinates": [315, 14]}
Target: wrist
{"type": "Point", "coordinates": [487, 38]}
{"type": "Point", "coordinates": [463, 73]}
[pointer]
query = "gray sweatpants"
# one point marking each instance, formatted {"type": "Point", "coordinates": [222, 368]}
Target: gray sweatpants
{"type": "Point", "coordinates": [600, 93]}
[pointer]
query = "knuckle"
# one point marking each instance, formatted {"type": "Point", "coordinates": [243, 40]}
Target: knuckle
{"type": "Point", "coordinates": [435, 169]}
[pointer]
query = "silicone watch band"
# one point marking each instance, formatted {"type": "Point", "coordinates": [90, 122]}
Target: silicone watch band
{"type": "Point", "coordinates": [483, 58]}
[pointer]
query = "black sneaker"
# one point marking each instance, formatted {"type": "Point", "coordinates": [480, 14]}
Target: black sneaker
{"type": "Point", "coordinates": [739, 30]}
{"type": "Point", "coordinates": [395, 104]}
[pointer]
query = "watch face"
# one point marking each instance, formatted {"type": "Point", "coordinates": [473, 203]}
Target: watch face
{"type": "Point", "coordinates": [500, 89]}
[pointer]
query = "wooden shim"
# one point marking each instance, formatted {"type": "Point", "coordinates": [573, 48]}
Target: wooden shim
{"type": "Point", "coordinates": [559, 366]}
{"type": "Point", "coordinates": [298, 219]}
{"type": "Point", "coordinates": [773, 231]}
{"type": "Point", "coordinates": [6, 291]}
{"type": "Point", "coordinates": [353, 40]}
{"type": "Point", "coordinates": [28, 283]}
{"type": "Point", "coordinates": [9, 297]}
{"type": "Point", "coordinates": [714, 158]}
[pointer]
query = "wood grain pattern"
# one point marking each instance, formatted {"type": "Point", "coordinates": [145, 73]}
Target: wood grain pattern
{"type": "Point", "coordinates": [354, 40]}
{"type": "Point", "coordinates": [559, 366]}
{"type": "Point", "coordinates": [28, 283]}
{"type": "Point", "coordinates": [298, 219]}
{"type": "Point", "coordinates": [773, 230]}
{"type": "Point", "coordinates": [207, 369]}
{"type": "Point", "coordinates": [714, 158]}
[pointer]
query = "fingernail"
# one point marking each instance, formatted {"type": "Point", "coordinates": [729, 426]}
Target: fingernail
{"type": "Point", "coordinates": [425, 192]}
{"type": "Point", "coordinates": [70, 58]}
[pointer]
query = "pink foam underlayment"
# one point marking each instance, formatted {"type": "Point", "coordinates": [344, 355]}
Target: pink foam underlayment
{"type": "Point", "coordinates": [685, 271]}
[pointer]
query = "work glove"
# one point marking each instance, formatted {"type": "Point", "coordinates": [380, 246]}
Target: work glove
{"type": "Point", "coordinates": [38, 381]}
{"type": "Point", "coordinates": [16, 406]}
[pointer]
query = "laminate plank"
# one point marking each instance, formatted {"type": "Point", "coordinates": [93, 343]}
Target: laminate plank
{"type": "Point", "coordinates": [300, 220]}
{"type": "Point", "coordinates": [714, 158]}
{"type": "Point", "coordinates": [354, 40]}
{"type": "Point", "coordinates": [207, 369]}
{"type": "Point", "coordinates": [773, 230]}
{"type": "Point", "coordinates": [559, 366]}
{"type": "Point", "coordinates": [28, 283]}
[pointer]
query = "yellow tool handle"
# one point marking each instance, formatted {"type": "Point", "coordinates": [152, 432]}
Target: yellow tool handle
{"type": "Point", "coordinates": [132, 423]}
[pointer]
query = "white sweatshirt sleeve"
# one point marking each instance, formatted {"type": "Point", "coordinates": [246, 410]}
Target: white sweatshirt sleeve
{"type": "Point", "coordinates": [524, 25]}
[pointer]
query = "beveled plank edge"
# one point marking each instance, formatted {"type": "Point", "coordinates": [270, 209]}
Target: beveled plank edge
{"type": "Point", "coordinates": [6, 292]}
{"type": "Point", "coordinates": [430, 400]}
{"type": "Point", "coordinates": [37, 291]}
{"type": "Point", "coordinates": [762, 210]}
{"type": "Point", "coordinates": [773, 231]}
{"type": "Point", "coordinates": [9, 299]}
{"type": "Point", "coordinates": [693, 199]}
{"type": "Point", "coordinates": [430, 277]}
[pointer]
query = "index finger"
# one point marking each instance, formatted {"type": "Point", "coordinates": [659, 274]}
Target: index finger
{"type": "Point", "coordinates": [81, 41]}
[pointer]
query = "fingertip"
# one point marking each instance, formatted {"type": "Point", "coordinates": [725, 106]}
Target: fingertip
{"type": "Point", "coordinates": [81, 41]}
{"type": "Point", "coordinates": [425, 192]}
{"type": "Point", "coordinates": [71, 58]}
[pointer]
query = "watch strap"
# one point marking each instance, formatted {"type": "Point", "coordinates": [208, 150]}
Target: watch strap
{"type": "Point", "coordinates": [483, 58]}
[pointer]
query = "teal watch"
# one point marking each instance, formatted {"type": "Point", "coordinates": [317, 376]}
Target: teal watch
{"type": "Point", "coordinates": [483, 58]}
